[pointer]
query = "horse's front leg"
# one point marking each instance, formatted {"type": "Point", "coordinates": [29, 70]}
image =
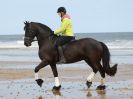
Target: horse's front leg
{"type": "Point", "coordinates": [37, 68]}
{"type": "Point", "coordinates": [57, 82]}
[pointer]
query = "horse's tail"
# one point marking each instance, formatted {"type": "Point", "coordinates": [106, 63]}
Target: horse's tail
{"type": "Point", "coordinates": [111, 71]}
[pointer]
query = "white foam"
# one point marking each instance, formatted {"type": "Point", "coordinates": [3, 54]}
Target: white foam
{"type": "Point", "coordinates": [117, 44]}
{"type": "Point", "coordinates": [16, 44]}
{"type": "Point", "coordinates": [120, 44]}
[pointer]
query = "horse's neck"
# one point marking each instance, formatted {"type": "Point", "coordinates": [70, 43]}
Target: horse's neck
{"type": "Point", "coordinates": [42, 40]}
{"type": "Point", "coordinates": [43, 35]}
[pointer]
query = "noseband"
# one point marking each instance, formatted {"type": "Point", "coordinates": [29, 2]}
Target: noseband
{"type": "Point", "coordinates": [32, 40]}
{"type": "Point", "coordinates": [29, 38]}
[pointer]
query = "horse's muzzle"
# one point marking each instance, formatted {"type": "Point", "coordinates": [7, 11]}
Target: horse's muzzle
{"type": "Point", "coordinates": [27, 42]}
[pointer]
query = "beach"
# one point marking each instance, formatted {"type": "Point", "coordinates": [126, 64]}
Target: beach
{"type": "Point", "coordinates": [20, 84]}
{"type": "Point", "coordinates": [17, 64]}
{"type": "Point", "coordinates": [36, 33]}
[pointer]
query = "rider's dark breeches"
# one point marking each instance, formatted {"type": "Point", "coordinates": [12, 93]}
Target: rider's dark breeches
{"type": "Point", "coordinates": [61, 40]}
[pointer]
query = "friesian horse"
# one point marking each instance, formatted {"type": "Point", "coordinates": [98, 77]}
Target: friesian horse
{"type": "Point", "coordinates": [87, 49]}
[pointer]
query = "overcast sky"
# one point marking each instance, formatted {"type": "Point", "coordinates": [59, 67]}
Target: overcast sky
{"type": "Point", "coordinates": [87, 15]}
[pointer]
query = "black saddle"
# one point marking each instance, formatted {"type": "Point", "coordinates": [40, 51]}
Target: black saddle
{"type": "Point", "coordinates": [63, 46]}
{"type": "Point", "coordinates": [54, 39]}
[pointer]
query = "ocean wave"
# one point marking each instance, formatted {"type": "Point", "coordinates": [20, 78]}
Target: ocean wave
{"type": "Point", "coordinates": [120, 44]}
{"type": "Point", "coordinates": [117, 44]}
{"type": "Point", "coordinates": [16, 44]}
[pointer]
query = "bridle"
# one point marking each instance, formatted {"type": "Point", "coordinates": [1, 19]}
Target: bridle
{"type": "Point", "coordinates": [31, 39]}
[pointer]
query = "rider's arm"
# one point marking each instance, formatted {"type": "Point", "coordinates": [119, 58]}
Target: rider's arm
{"type": "Point", "coordinates": [63, 27]}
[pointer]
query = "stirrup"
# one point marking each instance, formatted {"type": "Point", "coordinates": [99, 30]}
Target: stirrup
{"type": "Point", "coordinates": [61, 56]}
{"type": "Point", "coordinates": [62, 60]}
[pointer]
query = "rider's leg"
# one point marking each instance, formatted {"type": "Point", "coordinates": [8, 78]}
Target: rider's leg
{"type": "Point", "coordinates": [62, 58]}
{"type": "Point", "coordinates": [60, 42]}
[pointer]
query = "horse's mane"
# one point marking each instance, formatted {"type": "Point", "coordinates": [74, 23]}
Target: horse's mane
{"type": "Point", "coordinates": [43, 26]}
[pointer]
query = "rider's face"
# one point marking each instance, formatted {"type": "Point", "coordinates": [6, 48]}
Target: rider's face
{"type": "Point", "coordinates": [59, 14]}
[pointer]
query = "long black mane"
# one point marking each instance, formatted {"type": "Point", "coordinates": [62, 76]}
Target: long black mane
{"type": "Point", "coordinates": [45, 27]}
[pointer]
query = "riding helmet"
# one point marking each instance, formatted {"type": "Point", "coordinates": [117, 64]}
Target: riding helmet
{"type": "Point", "coordinates": [61, 9]}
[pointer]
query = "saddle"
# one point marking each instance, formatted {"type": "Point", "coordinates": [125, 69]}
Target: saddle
{"type": "Point", "coordinates": [53, 38]}
{"type": "Point", "coordinates": [61, 52]}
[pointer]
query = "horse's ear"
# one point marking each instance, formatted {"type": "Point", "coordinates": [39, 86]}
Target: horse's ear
{"type": "Point", "coordinates": [26, 23]}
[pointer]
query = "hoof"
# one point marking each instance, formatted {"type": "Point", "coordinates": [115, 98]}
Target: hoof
{"type": "Point", "coordinates": [101, 87]}
{"type": "Point", "coordinates": [39, 82]}
{"type": "Point", "coordinates": [88, 84]}
{"type": "Point", "coordinates": [56, 88]}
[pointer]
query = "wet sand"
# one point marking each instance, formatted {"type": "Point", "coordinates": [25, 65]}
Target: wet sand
{"type": "Point", "coordinates": [20, 84]}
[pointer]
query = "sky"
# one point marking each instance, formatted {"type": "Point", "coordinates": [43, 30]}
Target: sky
{"type": "Point", "coordinates": [88, 16]}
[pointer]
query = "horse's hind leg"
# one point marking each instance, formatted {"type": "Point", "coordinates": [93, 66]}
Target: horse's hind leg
{"type": "Point", "coordinates": [92, 74]}
{"type": "Point", "coordinates": [102, 73]}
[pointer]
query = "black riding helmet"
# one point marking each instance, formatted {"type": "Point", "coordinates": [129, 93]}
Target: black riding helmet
{"type": "Point", "coordinates": [61, 9]}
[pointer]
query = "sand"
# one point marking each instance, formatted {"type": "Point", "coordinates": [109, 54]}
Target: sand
{"type": "Point", "coordinates": [20, 84]}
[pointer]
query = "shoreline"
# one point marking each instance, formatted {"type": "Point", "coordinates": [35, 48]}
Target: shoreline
{"type": "Point", "coordinates": [20, 84]}
{"type": "Point", "coordinates": [124, 72]}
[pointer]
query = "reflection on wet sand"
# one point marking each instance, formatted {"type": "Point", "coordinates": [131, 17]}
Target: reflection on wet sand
{"type": "Point", "coordinates": [89, 94]}
{"type": "Point", "coordinates": [40, 97]}
{"type": "Point", "coordinates": [101, 94]}
{"type": "Point", "coordinates": [77, 90]}
{"type": "Point", "coordinates": [57, 94]}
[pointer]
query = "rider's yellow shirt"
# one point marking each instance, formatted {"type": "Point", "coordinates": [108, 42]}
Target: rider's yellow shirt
{"type": "Point", "coordinates": [66, 28]}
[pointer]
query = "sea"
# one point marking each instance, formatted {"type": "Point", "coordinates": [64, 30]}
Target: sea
{"type": "Point", "coordinates": [12, 48]}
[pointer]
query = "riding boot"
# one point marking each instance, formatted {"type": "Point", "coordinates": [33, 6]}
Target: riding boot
{"type": "Point", "coordinates": [61, 55]}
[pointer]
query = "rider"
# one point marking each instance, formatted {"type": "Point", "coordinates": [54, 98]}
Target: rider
{"type": "Point", "coordinates": [65, 32]}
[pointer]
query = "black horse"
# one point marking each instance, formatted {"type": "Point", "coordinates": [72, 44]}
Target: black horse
{"type": "Point", "coordinates": [87, 49]}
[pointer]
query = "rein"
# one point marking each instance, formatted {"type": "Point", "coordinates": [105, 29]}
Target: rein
{"type": "Point", "coordinates": [31, 39]}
